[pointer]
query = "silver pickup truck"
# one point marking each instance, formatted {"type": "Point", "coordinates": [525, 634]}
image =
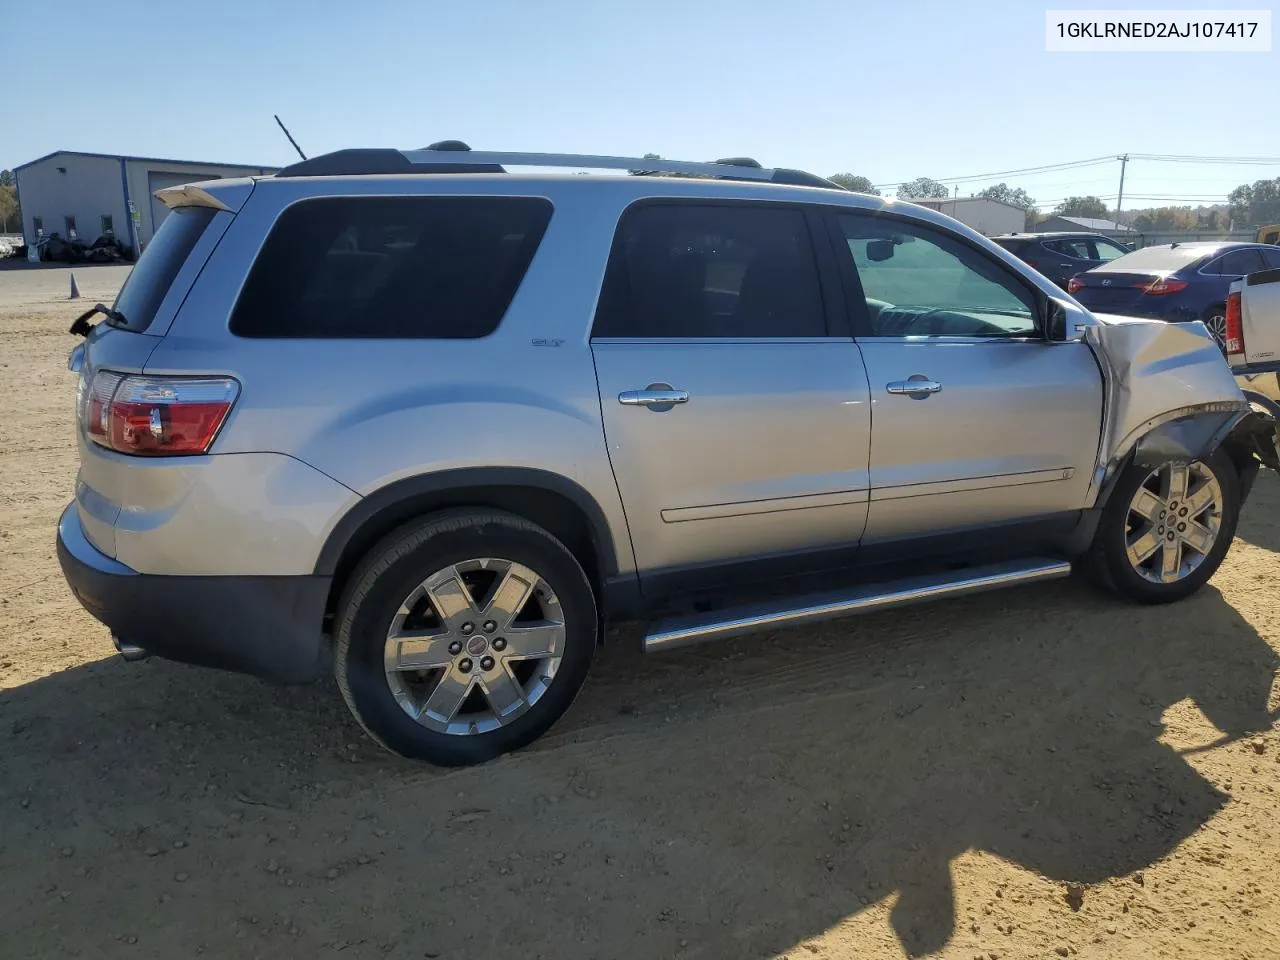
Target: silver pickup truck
{"type": "Point", "coordinates": [1252, 339]}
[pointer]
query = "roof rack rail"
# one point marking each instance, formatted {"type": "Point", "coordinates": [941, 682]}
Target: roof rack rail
{"type": "Point", "coordinates": [454, 156]}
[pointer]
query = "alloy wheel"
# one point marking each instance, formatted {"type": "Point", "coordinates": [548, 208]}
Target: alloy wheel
{"type": "Point", "coordinates": [1173, 521]}
{"type": "Point", "coordinates": [474, 646]}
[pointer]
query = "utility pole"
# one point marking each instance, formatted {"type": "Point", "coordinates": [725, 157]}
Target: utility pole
{"type": "Point", "coordinates": [1124, 161]}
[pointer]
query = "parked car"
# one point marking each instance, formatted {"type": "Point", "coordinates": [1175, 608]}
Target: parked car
{"type": "Point", "coordinates": [441, 430]}
{"type": "Point", "coordinates": [1175, 282]}
{"type": "Point", "coordinates": [1269, 234]}
{"type": "Point", "coordinates": [1060, 256]}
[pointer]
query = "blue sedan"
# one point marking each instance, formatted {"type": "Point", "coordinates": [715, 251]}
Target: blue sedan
{"type": "Point", "coordinates": [1177, 282]}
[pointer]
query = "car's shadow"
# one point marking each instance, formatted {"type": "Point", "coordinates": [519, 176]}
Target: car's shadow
{"type": "Point", "coordinates": [728, 801]}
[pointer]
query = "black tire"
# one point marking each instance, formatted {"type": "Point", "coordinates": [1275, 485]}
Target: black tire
{"type": "Point", "coordinates": [1109, 557]}
{"type": "Point", "coordinates": [404, 559]}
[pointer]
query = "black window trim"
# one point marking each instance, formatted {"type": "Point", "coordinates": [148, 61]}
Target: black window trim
{"type": "Point", "coordinates": [856, 301]}
{"type": "Point", "coordinates": [274, 220]}
{"type": "Point", "coordinates": [1222, 256]}
{"type": "Point", "coordinates": [835, 318]}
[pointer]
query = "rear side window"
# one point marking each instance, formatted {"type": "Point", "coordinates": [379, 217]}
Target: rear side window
{"type": "Point", "coordinates": [150, 278]}
{"type": "Point", "coordinates": [391, 267]}
{"type": "Point", "coordinates": [722, 271]}
{"type": "Point", "coordinates": [1079, 249]}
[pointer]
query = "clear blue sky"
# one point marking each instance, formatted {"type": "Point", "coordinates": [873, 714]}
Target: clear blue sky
{"type": "Point", "coordinates": [891, 89]}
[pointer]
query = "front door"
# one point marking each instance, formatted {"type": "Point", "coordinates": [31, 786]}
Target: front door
{"type": "Point", "coordinates": [978, 420]}
{"type": "Point", "coordinates": [737, 423]}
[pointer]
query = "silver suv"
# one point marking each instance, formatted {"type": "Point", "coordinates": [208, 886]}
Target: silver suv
{"type": "Point", "coordinates": [438, 423]}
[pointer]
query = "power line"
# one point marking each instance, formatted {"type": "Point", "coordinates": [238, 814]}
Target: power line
{"type": "Point", "coordinates": [1068, 165]}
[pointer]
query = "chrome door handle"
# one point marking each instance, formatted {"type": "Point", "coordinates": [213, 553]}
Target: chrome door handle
{"type": "Point", "coordinates": [913, 387]}
{"type": "Point", "coordinates": [651, 397]}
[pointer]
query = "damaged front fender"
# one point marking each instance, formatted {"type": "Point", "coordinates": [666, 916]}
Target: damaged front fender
{"type": "Point", "coordinates": [1171, 396]}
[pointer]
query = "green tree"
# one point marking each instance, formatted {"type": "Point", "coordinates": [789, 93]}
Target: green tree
{"type": "Point", "coordinates": [1082, 207]}
{"type": "Point", "coordinates": [855, 183]}
{"type": "Point", "coordinates": [1257, 203]}
{"type": "Point", "coordinates": [923, 188]}
{"type": "Point", "coordinates": [7, 178]}
{"type": "Point", "coordinates": [10, 212]}
{"type": "Point", "coordinates": [1014, 196]}
{"type": "Point", "coordinates": [1163, 219]}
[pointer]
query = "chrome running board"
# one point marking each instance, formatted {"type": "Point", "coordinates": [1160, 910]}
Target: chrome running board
{"type": "Point", "coordinates": [793, 611]}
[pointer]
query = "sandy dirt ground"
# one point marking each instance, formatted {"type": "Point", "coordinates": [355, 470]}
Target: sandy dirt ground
{"type": "Point", "coordinates": [1037, 773]}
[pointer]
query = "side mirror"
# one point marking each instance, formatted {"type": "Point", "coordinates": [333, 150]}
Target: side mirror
{"type": "Point", "coordinates": [879, 250]}
{"type": "Point", "coordinates": [1056, 321]}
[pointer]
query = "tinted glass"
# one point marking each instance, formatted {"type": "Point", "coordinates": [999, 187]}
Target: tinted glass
{"type": "Point", "coordinates": [921, 282]}
{"type": "Point", "coordinates": [723, 271]}
{"type": "Point", "coordinates": [1079, 249]}
{"type": "Point", "coordinates": [1239, 262]}
{"type": "Point", "coordinates": [1108, 251]}
{"type": "Point", "coordinates": [149, 280]}
{"type": "Point", "coordinates": [401, 267]}
{"type": "Point", "coordinates": [1158, 259]}
{"type": "Point", "coordinates": [1270, 258]}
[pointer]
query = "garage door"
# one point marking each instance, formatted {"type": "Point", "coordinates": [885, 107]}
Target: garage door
{"type": "Point", "coordinates": [158, 181]}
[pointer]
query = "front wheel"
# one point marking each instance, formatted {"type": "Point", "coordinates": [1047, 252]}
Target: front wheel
{"type": "Point", "coordinates": [1166, 530]}
{"type": "Point", "coordinates": [464, 636]}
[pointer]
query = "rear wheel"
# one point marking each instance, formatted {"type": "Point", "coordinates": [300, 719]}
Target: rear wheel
{"type": "Point", "coordinates": [1166, 530]}
{"type": "Point", "coordinates": [464, 636]}
{"type": "Point", "coordinates": [1215, 319]}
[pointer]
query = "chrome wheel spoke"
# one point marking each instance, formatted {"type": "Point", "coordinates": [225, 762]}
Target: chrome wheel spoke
{"type": "Point", "coordinates": [510, 594]}
{"type": "Point", "coordinates": [1198, 537]}
{"type": "Point", "coordinates": [1179, 476]}
{"type": "Point", "coordinates": [534, 641]}
{"type": "Point", "coordinates": [1205, 496]}
{"type": "Point", "coordinates": [1142, 547]}
{"type": "Point", "coordinates": [418, 651]}
{"type": "Point", "coordinates": [1147, 505]}
{"type": "Point", "coordinates": [450, 596]}
{"type": "Point", "coordinates": [1171, 560]}
{"type": "Point", "coordinates": [447, 698]}
{"type": "Point", "coordinates": [504, 693]}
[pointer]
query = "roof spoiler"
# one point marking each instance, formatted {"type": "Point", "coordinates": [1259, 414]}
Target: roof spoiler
{"type": "Point", "coordinates": [226, 195]}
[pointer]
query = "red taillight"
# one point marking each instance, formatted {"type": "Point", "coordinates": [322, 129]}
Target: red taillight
{"type": "Point", "coordinates": [1161, 285]}
{"type": "Point", "coordinates": [1074, 284]}
{"type": "Point", "coordinates": [156, 416]}
{"type": "Point", "coordinates": [1233, 341]}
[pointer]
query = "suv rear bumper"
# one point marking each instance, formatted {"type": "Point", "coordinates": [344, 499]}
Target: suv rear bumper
{"type": "Point", "coordinates": [267, 626]}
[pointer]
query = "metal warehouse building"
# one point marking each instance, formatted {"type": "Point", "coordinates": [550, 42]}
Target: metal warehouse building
{"type": "Point", "coordinates": [86, 195]}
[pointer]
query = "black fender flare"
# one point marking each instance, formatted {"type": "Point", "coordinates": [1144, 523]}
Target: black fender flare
{"type": "Point", "coordinates": [397, 496]}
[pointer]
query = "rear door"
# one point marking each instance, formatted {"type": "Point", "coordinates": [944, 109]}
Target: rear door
{"type": "Point", "coordinates": [1064, 257]}
{"type": "Point", "coordinates": [978, 419]}
{"type": "Point", "coordinates": [735, 408]}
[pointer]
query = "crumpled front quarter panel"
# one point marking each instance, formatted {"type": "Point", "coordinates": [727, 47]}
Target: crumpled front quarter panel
{"type": "Point", "coordinates": [1156, 372]}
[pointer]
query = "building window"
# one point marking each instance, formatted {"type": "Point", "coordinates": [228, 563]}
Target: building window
{"type": "Point", "coordinates": [108, 228]}
{"type": "Point", "coordinates": [37, 224]}
{"type": "Point", "coordinates": [71, 228]}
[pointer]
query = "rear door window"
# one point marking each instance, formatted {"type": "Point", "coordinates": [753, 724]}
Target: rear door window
{"type": "Point", "coordinates": [1078, 249]}
{"type": "Point", "coordinates": [1270, 258]}
{"type": "Point", "coordinates": [1237, 263]}
{"type": "Point", "coordinates": [721, 271]}
{"type": "Point", "coordinates": [391, 267]}
{"type": "Point", "coordinates": [151, 277]}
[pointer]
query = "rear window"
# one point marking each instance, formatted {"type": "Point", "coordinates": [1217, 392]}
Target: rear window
{"type": "Point", "coordinates": [150, 278]}
{"type": "Point", "coordinates": [391, 267]}
{"type": "Point", "coordinates": [1155, 259]}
